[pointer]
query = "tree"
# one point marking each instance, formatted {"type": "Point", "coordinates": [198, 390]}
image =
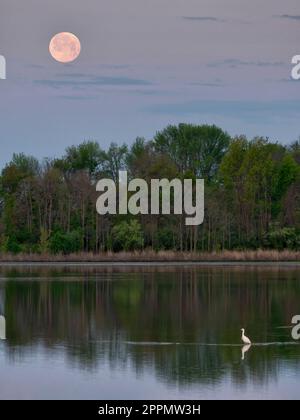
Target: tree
{"type": "Point", "coordinates": [256, 175]}
{"type": "Point", "coordinates": [65, 243]}
{"type": "Point", "coordinates": [87, 156]}
{"type": "Point", "coordinates": [252, 194]}
{"type": "Point", "coordinates": [127, 236]}
{"type": "Point", "coordinates": [115, 160]}
{"type": "Point", "coordinates": [194, 148]}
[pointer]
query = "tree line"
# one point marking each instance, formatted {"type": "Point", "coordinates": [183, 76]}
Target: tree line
{"type": "Point", "coordinates": [252, 195]}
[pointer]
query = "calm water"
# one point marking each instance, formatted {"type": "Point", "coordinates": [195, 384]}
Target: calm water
{"type": "Point", "coordinates": [148, 332]}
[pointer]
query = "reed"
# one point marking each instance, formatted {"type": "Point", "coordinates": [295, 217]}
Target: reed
{"type": "Point", "coordinates": [160, 256]}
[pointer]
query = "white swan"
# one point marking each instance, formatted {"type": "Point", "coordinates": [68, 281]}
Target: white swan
{"type": "Point", "coordinates": [245, 339]}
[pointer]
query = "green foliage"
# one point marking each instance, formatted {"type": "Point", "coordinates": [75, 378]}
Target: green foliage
{"type": "Point", "coordinates": [87, 156]}
{"type": "Point", "coordinates": [165, 238]}
{"type": "Point", "coordinates": [127, 236]}
{"type": "Point", "coordinates": [288, 172]}
{"type": "Point", "coordinates": [256, 176]}
{"type": "Point", "coordinates": [114, 160]}
{"type": "Point", "coordinates": [44, 241]}
{"type": "Point", "coordinates": [193, 148]}
{"type": "Point", "coordinates": [65, 243]}
{"type": "Point", "coordinates": [285, 238]}
{"type": "Point", "coordinates": [27, 165]}
{"type": "Point", "coordinates": [12, 245]}
{"type": "Point", "coordinates": [3, 243]}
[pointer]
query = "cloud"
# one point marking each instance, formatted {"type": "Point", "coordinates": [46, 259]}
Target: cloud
{"type": "Point", "coordinates": [215, 83]}
{"type": "Point", "coordinates": [147, 92]}
{"type": "Point", "coordinates": [203, 18]}
{"type": "Point", "coordinates": [80, 80]}
{"type": "Point", "coordinates": [286, 80]}
{"type": "Point", "coordinates": [249, 111]}
{"type": "Point", "coordinates": [234, 63]}
{"type": "Point", "coordinates": [214, 19]}
{"type": "Point", "coordinates": [36, 66]}
{"type": "Point", "coordinates": [291, 17]}
{"type": "Point", "coordinates": [85, 97]}
{"type": "Point", "coordinates": [74, 75]}
{"type": "Point", "coordinates": [76, 97]}
{"type": "Point", "coordinates": [116, 66]}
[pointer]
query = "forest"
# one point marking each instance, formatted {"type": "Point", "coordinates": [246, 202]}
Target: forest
{"type": "Point", "coordinates": [252, 195]}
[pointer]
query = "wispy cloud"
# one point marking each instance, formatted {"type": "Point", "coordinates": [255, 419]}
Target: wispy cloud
{"type": "Point", "coordinates": [214, 19]}
{"type": "Point", "coordinates": [80, 80]}
{"type": "Point", "coordinates": [116, 66]}
{"type": "Point", "coordinates": [147, 92]}
{"type": "Point", "coordinates": [35, 66]}
{"type": "Point", "coordinates": [75, 76]}
{"type": "Point", "coordinates": [203, 18]}
{"type": "Point", "coordinates": [76, 97]}
{"type": "Point", "coordinates": [85, 97]}
{"type": "Point", "coordinates": [286, 80]}
{"type": "Point", "coordinates": [291, 17]}
{"type": "Point", "coordinates": [250, 111]}
{"type": "Point", "coordinates": [234, 63]}
{"type": "Point", "coordinates": [214, 83]}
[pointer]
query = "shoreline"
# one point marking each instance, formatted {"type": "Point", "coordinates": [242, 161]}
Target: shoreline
{"type": "Point", "coordinates": [149, 257]}
{"type": "Point", "coordinates": [278, 264]}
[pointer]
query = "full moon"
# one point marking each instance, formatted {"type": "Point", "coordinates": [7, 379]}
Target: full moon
{"type": "Point", "coordinates": [65, 47]}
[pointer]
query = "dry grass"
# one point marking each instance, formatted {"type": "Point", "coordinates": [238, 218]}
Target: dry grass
{"type": "Point", "coordinates": [161, 256]}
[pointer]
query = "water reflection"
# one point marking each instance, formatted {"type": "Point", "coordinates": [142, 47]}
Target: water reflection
{"type": "Point", "coordinates": [156, 319]}
{"type": "Point", "coordinates": [245, 348]}
{"type": "Point", "coordinates": [2, 317]}
{"type": "Point", "coordinates": [2, 328]}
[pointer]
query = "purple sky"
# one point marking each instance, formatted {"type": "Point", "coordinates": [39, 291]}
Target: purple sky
{"type": "Point", "coordinates": [145, 64]}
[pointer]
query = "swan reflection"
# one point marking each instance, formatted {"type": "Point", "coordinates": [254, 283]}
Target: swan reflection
{"type": "Point", "coordinates": [2, 328]}
{"type": "Point", "coordinates": [244, 350]}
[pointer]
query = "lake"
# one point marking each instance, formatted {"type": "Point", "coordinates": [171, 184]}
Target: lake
{"type": "Point", "coordinates": [148, 332]}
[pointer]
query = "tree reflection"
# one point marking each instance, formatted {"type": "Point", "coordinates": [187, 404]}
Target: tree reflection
{"type": "Point", "coordinates": [158, 318]}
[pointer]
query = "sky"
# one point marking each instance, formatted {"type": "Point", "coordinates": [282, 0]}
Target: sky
{"type": "Point", "coordinates": [145, 64]}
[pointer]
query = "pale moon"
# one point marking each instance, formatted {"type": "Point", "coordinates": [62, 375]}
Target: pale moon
{"type": "Point", "coordinates": [65, 47]}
